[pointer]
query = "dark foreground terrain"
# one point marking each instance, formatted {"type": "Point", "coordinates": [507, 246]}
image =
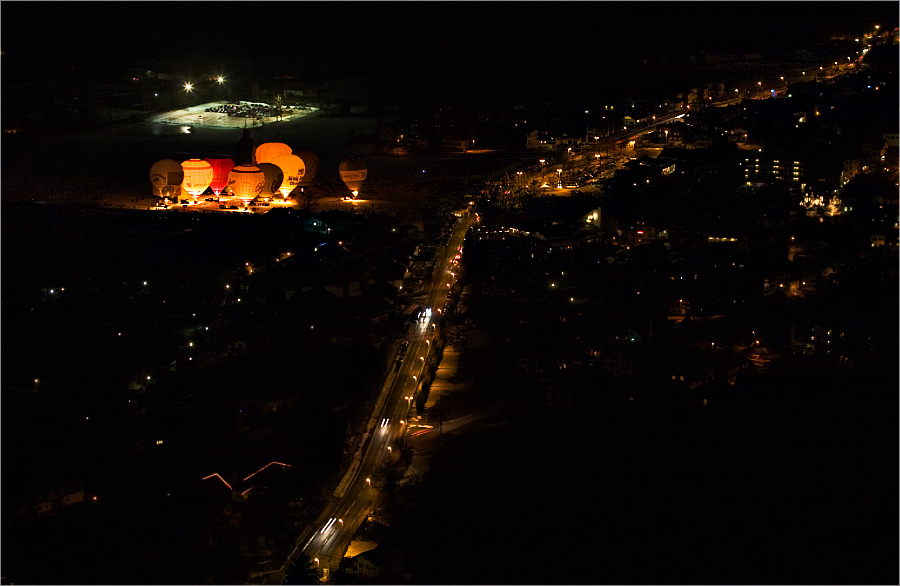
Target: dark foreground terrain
{"type": "Point", "coordinates": [796, 490]}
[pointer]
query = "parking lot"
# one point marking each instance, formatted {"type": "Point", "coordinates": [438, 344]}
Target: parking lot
{"type": "Point", "coordinates": [199, 116]}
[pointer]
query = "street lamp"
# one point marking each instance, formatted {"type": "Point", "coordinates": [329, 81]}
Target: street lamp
{"type": "Point", "coordinates": [188, 87]}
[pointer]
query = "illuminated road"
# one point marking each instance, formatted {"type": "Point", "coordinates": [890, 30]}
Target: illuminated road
{"type": "Point", "coordinates": [328, 538]}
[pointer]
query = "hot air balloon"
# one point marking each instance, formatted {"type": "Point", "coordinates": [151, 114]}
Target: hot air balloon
{"type": "Point", "coordinates": [294, 170]}
{"type": "Point", "coordinates": [270, 150]}
{"type": "Point", "coordinates": [221, 168]}
{"type": "Point", "coordinates": [246, 182]}
{"type": "Point", "coordinates": [166, 177]}
{"type": "Point", "coordinates": [198, 174]}
{"type": "Point", "coordinates": [353, 173]}
{"type": "Point", "coordinates": [311, 162]}
{"type": "Point", "coordinates": [274, 177]}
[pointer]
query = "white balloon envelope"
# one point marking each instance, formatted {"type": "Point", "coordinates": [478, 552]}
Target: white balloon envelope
{"type": "Point", "coordinates": [246, 182]}
{"type": "Point", "coordinates": [198, 174]}
{"type": "Point", "coordinates": [166, 177]}
{"type": "Point", "coordinates": [353, 173]}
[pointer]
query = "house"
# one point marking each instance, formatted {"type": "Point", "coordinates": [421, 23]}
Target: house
{"type": "Point", "coordinates": [301, 91]}
{"type": "Point", "coordinates": [391, 273]}
{"type": "Point", "coordinates": [390, 132]}
{"type": "Point", "coordinates": [417, 142]}
{"type": "Point", "coordinates": [541, 141]}
{"type": "Point", "coordinates": [52, 500]}
{"type": "Point", "coordinates": [618, 364]}
{"type": "Point", "coordinates": [559, 396]}
{"type": "Point", "coordinates": [852, 167]}
{"type": "Point", "coordinates": [313, 225]}
{"type": "Point", "coordinates": [359, 566]}
{"type": "Point", "coordinates": [687, 375]}
{"type": "Point", "coordinates": [807, 337]}
{"type": "Point", "coordinates": [455, 144]}
{"type": "Point", "coordinates": [592, 217]}
{"type": "Point", "coordinates": [399, 130]}
{"type": "Point", "coordinates": [759, 168]}
{"type": "Point", "coordinates": [890, 159]}
{"type": "Point", "coordinates": [566, 141]}
{"type": "Point", "coordinates": [387, 560]}
{"type": "Point", "coordinates": [652, 167]}
{"type": "Point", "coordinates": [641, 234]}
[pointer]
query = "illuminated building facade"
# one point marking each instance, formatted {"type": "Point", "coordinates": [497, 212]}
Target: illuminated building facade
{"type": "Point", "coordinates": [760, 168]}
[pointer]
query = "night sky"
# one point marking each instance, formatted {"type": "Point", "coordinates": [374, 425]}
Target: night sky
{"type": "Point", "coordinates": [292, 38]}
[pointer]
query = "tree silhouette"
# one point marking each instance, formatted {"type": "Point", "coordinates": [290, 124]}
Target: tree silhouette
{"type": "Point", "coordinates": [310, 195]}
{"type": "Point", "coordinates": [301, 570]}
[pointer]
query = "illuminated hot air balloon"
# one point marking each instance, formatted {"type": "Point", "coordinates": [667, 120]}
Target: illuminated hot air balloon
{"type": "Point", "coordinates": [198, 174]}
{"type": "Point", "coordinates": [353, 173]}
{"type": "Point", "coordinates": [246, 182]}
{"type": "Point", "coordinates": [221, 168]}
{"type": "Point", "coordinates": [294, 170]}
{"type": "Point", "coordinates": [270, 150]}
{"type": "Point", "coordinates": [274, 176]}
{"type": "Point", "coordinates": [311, 162]}
{"type": "Point", "coordinates": [166, 177]}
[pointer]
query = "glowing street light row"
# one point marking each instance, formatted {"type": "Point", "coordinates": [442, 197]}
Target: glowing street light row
{"type": "Point", "coordinates": [188, 86]}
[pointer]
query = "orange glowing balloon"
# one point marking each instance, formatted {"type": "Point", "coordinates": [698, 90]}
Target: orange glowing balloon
{"type": "Point", "coordinates": [294, 169]}
{"type": "Point", "coordinates": [271, 150]}
{"type": "Point", "coordinates": [198, 174]}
